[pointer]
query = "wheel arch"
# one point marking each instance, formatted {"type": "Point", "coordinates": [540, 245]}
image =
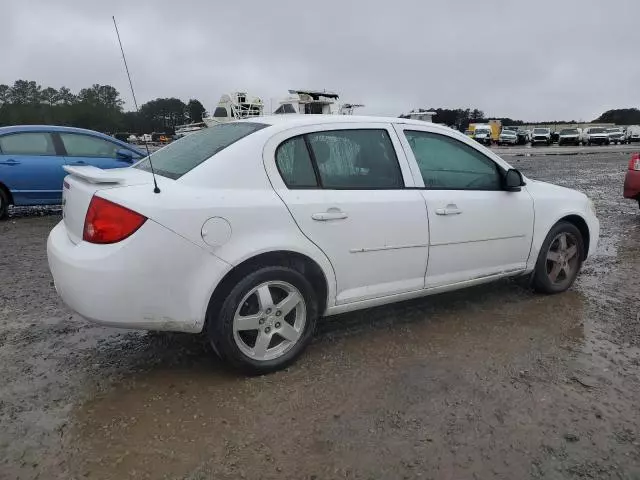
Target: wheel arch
{"type": "Point", "coordinates": [6, 190]}
{"type": "Point", "coordinates": [581, 225]}
{"type": "Point", "coordinates": [295, 260]}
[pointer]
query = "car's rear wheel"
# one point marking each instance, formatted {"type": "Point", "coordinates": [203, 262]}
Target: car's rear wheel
{"type": "Point", "coordinates": [559, 260]}
{"type": "Point", "coordinates": [266, 320]}
{"type": "Point", "coordinates": [4, 204]}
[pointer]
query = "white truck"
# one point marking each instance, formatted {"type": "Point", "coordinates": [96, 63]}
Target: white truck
{"type": "Point", "coordinates": [595, 136]}
{"type": "Point", "coordinates": [541, 135]}
{"type": "Point", "coordinates": [632, 134]}
{"type": "Point", "coordinates": [482, 133]}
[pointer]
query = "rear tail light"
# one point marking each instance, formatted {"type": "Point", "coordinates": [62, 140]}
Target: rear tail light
{"type": "Point", "coordinates": [634, 163]}
{"type": "Point", "coordinates": [108, 222]}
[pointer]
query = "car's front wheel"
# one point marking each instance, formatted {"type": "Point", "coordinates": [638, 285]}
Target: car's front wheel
{"type": "Point", "coordinates": [559, 260]}
{"type": "Point", "coordinates": [265, 321]}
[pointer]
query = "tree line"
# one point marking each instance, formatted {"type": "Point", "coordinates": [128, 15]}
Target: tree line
{"type": "Point", "coordinates": [98, 107]}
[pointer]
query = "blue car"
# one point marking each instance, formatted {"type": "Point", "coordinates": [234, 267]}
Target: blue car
{"type": "Point", "coordinates": [31, 160]}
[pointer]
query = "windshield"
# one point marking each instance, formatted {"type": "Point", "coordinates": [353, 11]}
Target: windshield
{"type": "Point", "coordinates": [569, 131]}
{"type": "Point", "coordinates": [614, 130]}
{"type": "Point", "coordinates": [540, 130]}
{"type": "Point", "coordinates": [597, 130]}
{"type": "Point", "coordinates": [482, 131]}
{"type": "Point", "coordinates": [508, 133]}
{"type": "Point", "coordinates": [185, 154]}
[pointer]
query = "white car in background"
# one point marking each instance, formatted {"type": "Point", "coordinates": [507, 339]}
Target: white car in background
{"type": "Point", "coordinates": [569, 136]}
{"type": "Point", "coordinates": [595, 136]}
{"type": "Point", "coordinates": [259, 227]}
{"type": "Point", "coordinates": [616, 135]}
{"type": "Point", "coordinates": [632, 133]}
{"type": "Point", "coordinates": [541, 135]}
{"type": "Point", "coordinates": [508, 137]}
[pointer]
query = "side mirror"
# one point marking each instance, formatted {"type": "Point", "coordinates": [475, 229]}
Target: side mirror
{"type": "Point", "coordinates": [513, 180]}
{"type": "Point", "coordinates": [124, 154]}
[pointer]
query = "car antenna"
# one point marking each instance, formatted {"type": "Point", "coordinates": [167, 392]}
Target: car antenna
{"type": "Point", "coordinates": [135, 103]}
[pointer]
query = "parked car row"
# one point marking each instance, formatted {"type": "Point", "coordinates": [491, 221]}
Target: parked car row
{"type": "Point", "coordinates": [566, 136]}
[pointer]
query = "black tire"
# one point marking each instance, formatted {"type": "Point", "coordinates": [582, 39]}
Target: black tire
{"type": "Point", "coordinates": [542, 276]}
{"type": "Point", "coordinates": [4, 204]}
{"type": "Point", "coordinates": [219, 325]}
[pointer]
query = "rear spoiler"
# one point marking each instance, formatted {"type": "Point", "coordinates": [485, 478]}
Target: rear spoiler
{"type": "Point", "coordinates": [92, 174]}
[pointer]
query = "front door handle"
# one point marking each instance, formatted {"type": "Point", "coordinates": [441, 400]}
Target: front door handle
{"type": "Point", "coordinates": [79, 162]}
{"type": "Point", "coordinates": [331, 214]}
{"type": "Point", "coordinates": [450, 209]}
{"type": "Point", "coordinates": [11, 161]}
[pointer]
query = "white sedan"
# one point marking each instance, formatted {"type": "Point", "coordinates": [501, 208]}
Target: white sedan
{"type": "Point", "coordinates": [260, 227]}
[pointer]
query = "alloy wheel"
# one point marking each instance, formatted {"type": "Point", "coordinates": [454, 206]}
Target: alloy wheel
{"type": "Point", "coordinates": [269, 320]}
{"type": "Point", "coordinates": [562, 258]}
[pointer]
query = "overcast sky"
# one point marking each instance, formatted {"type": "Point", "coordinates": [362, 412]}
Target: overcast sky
{"type": "Point", "coordinates": [532, 60]}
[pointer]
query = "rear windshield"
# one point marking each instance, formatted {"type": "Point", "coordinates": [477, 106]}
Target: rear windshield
{"type": "Point", "coordinates": [185, 154]}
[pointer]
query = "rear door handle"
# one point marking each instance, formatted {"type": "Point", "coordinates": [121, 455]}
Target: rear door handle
{"type": "Point", "coordinates": [11, 161]}
{"type": "Point", "coordinates": [449, 210]}
{"type": "Point", "coordinates": [329, 215]}
{"type": "Point", "coordinates": [79, 162]}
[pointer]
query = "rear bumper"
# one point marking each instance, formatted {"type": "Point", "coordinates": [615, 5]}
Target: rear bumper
{"type": "Point", "coordinates": [632, 184]}
{"type": "Point", "coordinates": [153, 280]}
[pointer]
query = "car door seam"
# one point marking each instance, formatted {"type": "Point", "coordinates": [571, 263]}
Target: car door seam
{"type": "Point", "coordinates": [275, 190]}
{"type": "Point", "coordinates": [387, 247]}
{"type": "Point", "coordinates": [411, 162]}
{"type": "Point", "coordinates": [488, 239]}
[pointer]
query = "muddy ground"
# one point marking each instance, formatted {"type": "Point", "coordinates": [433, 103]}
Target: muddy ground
{"type": "Point", "coordinates": [492, 382]}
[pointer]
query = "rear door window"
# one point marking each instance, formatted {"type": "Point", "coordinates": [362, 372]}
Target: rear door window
{"type": "Point", "coordinates": [356, 159]}
{"type": "Point", "coordinates": [27, 143]}
{"type": "Point", "coordinates": [78, 145]}
{"type": "Point", "coordinates": [185, 154]}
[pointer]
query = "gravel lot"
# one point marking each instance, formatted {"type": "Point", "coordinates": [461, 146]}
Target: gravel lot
{"type": "Point", "coordinates": [492, 382]}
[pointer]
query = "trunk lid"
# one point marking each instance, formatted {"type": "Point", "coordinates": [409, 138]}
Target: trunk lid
{"type": "Point", "coordinates": [83, 182]}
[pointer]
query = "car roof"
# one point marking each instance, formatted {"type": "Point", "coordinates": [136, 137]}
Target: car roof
{"type": "Point", "coordinates": [289, 120]}
{"type": "Point", "coordinates": [63, 129]}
